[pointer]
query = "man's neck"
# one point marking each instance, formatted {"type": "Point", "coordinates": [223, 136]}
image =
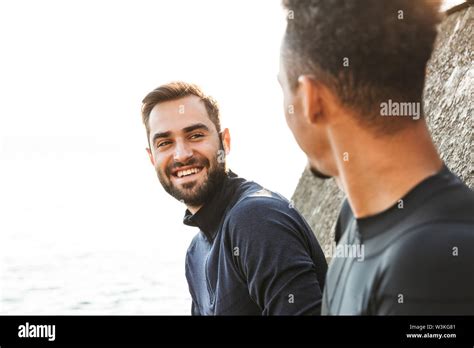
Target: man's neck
{"type": "Point", "coordinates": [379, 171]}
{"type": "Point", "coordinates": [193, 209]}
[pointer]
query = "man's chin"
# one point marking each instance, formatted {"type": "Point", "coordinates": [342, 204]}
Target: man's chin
{"type": "Point", "coordinates": [316, 173]}
{"type": "Point", "coordinates": [193, 193]}
{"type": "Point", "coordinates": [188, 186]}
{"type": "Point", "coordinates": [186, 196]}
{"type": "Point", "coordinates": [196, 190]}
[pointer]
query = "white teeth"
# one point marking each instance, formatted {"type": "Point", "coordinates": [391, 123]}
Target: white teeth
{"type": "Point", "coordinates": [182, 173]}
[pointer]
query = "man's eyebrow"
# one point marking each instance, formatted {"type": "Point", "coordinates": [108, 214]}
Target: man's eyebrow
{"type": "Point", "coordinates": [160, 135]}
{"type": "Point", "coordinates": [189, 129]}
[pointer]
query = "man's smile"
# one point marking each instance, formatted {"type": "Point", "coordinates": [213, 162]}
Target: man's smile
{"type": "Point", "coordinates": [187, 174]}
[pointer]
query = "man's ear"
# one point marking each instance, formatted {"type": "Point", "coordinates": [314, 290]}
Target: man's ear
{"type": "Point", "coordinates": [150, 155]}
{"type": "Point", "coordinates": [309, 94]}
{"type": "Point", "coordinates": [225, 136]}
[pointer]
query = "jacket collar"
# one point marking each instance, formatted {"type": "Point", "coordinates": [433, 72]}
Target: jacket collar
{"type": "Point", "coordinates": [209, 217]}
{"type": "Point", "coordinates": [371, 226]}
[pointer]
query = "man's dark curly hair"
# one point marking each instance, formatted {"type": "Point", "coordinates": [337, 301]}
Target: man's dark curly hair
{"type": "Point", "coordinates": [386, 44]}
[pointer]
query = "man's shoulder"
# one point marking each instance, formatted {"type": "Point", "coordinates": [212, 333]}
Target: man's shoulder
{"type": "Point", "coordinates": [259, 203]}
{"type": "Point", "coordinates": [429, 263]}
{"type": "Point", "coordinates": [420, 256]}
{"type": "Point", "coordinates": [445, 218]}
{"type": "Point", "coordinates": [450, 199]}
{"type": "Point", "coordinates": [430, 239]}
{"type": "Point", "coordinates": [262, 210]}
{"type": "Point", "coordinates": [445, 214]}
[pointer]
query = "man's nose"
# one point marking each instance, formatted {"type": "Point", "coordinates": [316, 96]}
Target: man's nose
{"type": "Point", "coordinates": [182, 152]}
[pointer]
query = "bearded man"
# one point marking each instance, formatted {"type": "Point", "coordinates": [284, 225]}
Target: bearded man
{"type": "Point", "coordinates": [254, 253]}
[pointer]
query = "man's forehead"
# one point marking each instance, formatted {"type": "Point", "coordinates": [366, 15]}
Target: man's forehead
{"type": "Point", "coordinates": [182, 106]}
{"type": "Point", "coordinates": [175, 115]}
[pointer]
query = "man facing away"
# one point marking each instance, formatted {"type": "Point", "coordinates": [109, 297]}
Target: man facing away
{"type": "Point", "coordinates": [254, 254]}
{"type": "Point", "coordinates": [352, 74]}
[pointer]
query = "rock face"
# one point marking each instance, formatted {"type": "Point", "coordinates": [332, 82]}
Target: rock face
{"type": "Point", "coordinates": [448, 104]}
{"type": "Point", "coordinates": [449, 93]}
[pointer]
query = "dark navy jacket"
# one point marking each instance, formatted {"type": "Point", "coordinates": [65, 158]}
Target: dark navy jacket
{"type": "Point", "coordinates": [254, 255]}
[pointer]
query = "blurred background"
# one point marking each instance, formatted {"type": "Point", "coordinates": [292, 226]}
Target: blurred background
{"type": "Point", "coordinates": [85, 227]}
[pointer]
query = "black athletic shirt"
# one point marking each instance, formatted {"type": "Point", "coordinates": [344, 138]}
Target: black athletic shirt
{"type": "Point", "coordinates": [418, 255]}
{"type": "Point", "coordinates": [254, 255]}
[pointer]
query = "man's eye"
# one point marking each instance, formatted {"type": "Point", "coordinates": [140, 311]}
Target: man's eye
{"type": "Point", "coordinates": [163, 143]}
{"type": "Point", "coordinates": [196, 136]}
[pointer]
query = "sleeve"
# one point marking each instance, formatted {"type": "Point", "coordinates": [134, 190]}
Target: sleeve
{"type": "Point", "coordinates": [189, 278]}
{"type": "Point", "coordinates": [273, 255]}
{"type": "Point", "coordinates": [194, 309]}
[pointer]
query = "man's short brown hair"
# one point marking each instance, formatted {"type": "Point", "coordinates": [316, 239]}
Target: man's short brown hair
{"type": "Point", "coordinates": [177, 90]}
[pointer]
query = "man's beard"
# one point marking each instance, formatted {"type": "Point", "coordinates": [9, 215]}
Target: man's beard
{"type": "Point", "coordinates": [188, 193]}
{"type": "Point", "coordinates": [318, 174]}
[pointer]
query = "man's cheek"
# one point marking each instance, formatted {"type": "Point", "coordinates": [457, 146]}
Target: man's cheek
{"type": "Point", "coordinates": [162, 169]}
{"type": "Point", "coordinates": [290, 118]}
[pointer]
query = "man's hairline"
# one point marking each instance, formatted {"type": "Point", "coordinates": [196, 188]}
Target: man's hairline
{"type": "Point", "coordinates": [147, 125]}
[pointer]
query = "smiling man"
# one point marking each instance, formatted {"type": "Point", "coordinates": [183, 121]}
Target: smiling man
{"type": "Point", "coordinates": [254, 253]}
{"type": "Point", "coordinates": [342, 63]}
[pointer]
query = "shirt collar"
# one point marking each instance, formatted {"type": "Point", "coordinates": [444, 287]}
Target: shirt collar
{"type": "Point", "coordinates": [209, 216]}
{"type": "Point", "coordinates": [370, 226]}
